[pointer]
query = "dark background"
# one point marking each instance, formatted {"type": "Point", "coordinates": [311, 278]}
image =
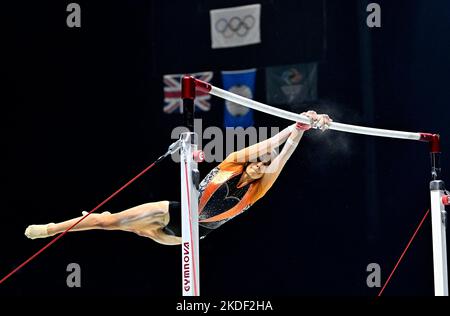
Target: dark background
{"type": "Point", "coordinates": [83, 114]}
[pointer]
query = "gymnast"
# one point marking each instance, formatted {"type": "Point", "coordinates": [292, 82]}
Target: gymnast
{"type": "Point", "coordinates": [229, 189]}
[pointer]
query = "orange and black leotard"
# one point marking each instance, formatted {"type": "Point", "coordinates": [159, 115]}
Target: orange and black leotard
{"type": "Point", "coordinates": [220, 198]}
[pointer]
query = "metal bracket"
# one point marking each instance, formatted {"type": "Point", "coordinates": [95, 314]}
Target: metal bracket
{"type": "Point", "coordinates": [174, 147]}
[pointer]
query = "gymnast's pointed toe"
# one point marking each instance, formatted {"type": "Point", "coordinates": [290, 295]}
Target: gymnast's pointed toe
{"type": "Point", "coordinates": [36, 231]}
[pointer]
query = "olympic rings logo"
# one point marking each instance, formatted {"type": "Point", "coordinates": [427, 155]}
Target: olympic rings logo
{"type": "Point", "coordinates": [236, 25]}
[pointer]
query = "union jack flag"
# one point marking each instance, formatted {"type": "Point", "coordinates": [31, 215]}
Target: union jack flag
{"type": "Point", "coordinates": [172, 92]}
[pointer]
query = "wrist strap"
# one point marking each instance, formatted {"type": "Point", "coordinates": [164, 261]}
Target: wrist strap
{"type": "Point", "coordinates": [303, 127]}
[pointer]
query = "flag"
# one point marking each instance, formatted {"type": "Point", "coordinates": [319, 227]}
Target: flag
{"type": "Point", "coordinates": [291, 84]}
{"type": "Point", "coordinates": [237, 26]}
{"type": "Point", "coordinates": [172, 92]}
{"type": "Point", "coordinates": [241, 82]}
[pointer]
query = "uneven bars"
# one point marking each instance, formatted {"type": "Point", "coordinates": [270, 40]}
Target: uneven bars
{"type": "Point", "coordinates": [208, 88]}
{"type": "Point", "coordinates": [190, 85]}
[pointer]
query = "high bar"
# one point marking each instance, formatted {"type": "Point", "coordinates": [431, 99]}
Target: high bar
{"type": "Point", "coordinates": [196, 84]}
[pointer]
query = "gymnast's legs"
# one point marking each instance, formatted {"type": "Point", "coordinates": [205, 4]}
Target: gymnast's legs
{"type": "Point", "coordinates": [146, 220]}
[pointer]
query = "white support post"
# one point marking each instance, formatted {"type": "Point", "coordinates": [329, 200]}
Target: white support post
{"type": "Point", "coordinates": [438, 223]}
{"type": "Point", "coordinates": [189, 215]}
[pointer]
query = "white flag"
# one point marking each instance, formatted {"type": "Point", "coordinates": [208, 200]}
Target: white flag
{"type": "Point", "coordinates": [237, 26]}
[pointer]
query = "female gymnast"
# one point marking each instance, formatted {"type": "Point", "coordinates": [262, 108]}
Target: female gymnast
{"type": "Point", "coordinates": [228, 190]}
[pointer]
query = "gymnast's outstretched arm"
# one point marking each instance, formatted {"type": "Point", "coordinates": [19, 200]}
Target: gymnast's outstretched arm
{"type": "Point", "coordinates": [274, 169]}
{"type": "Point", "coordinates": [254, 151]}
{"type": "Point", "coordinates": [266, 146]}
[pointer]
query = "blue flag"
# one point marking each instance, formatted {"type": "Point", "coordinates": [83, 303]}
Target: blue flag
{"type": "Point", "coordinates": [241, 82]}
